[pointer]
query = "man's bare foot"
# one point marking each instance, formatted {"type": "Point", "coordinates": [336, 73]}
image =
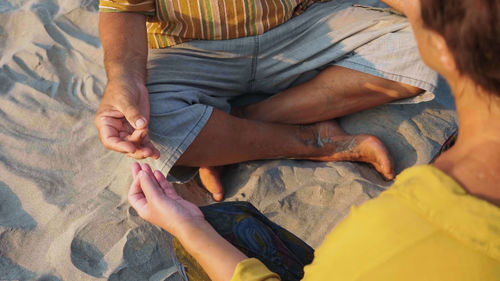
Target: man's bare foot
{"type": "Point", "coordinates": [210, 178]}
{"type": "Point", "coordinates": [336, 145]}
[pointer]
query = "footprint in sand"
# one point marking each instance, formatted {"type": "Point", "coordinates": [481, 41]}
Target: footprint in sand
{"type": "Point", "coordinates": [11, 211]}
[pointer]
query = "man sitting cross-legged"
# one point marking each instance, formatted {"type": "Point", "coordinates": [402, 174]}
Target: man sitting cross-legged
{"type": "Point", "coordinates": [175, 102]}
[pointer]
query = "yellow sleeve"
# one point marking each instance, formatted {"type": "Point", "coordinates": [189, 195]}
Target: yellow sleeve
{"type": "Point", "coordinates": [146, 7]}
{"type": "Point", "coordinates": [253, 270]}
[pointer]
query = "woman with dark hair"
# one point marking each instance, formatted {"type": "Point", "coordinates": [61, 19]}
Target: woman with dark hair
{"type": "Point", "coordinates": [437, 222]}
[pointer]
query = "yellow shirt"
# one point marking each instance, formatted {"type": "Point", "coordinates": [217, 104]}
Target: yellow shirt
{"type": "Point", "coordinates": [425, 228]}
{"type": "Point", "coordinates": [172, 22]}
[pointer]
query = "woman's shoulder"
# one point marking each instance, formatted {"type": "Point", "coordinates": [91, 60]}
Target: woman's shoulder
{"type": "Point", "coordinates": [425, 215]}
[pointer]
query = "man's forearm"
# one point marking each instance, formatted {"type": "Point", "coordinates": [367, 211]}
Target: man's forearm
{"type": "Point", "coordinates": [124, 40]}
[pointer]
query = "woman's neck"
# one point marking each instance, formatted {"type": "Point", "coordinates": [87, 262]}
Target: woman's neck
{"type": "Point", "coordinates": [474, 161]}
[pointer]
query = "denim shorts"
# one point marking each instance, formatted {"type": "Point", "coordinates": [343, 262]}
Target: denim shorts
{"type": "Point", "coordinates": [187, 81]}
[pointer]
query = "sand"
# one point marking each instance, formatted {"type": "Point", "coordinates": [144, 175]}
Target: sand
{"type": "Point", "coordinates": [63, 208]}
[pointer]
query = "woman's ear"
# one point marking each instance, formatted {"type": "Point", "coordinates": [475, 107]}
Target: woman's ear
{"type": "Point", "coordinates": [445, 56]}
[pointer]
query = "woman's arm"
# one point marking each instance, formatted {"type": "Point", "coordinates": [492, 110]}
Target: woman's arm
{"type": "Point", "coordinates": [215, 254]}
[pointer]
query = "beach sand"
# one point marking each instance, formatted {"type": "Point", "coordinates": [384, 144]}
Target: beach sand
{"type": "Point", "coordinates": [63, 208]}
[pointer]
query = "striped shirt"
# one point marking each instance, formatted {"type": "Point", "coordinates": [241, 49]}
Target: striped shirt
{"type": "Point", "coordinates": [172, 22]}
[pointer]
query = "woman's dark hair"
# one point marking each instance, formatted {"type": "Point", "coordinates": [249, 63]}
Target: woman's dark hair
{"type": "Point", "coordinates": [471, 29]}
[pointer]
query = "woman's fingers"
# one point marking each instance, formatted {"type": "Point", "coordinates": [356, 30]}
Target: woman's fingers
{"type": "Point", "coordinates": [136, 167]}
{"type": "Point", "coordinates": [146, 168]}
{"type": "Point", "coordinates": [149, 185]}
{"type": "Point", "coordinates": [165, 185]}
{"type": "Point", "coordinates": [136, 196]}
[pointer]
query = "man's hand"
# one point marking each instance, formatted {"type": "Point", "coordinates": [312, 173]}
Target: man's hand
{"type": "Point", "coordinates": [123, 116]}
{"type": "Point", "coordinates": [122, 119]}
{"type": "Point", "coordinates": [156, 201]}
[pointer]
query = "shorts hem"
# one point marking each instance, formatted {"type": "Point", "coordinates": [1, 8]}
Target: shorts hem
{"type": "Point", "coordinates": [170, 161]}
{"type": "Point", "coordinates": [424, 85]}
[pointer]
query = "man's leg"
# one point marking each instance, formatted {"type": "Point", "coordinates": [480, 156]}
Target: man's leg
{"type": "Point", "coordinates": [273, 128]}
{"type": "Point", "coordinates": [335, 92]}
{"type": "Point", "coordinates": [227, 139]}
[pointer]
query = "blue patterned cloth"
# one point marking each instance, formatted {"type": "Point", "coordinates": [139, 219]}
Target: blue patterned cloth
{"type": "Point", "coordinates": [256, 236]}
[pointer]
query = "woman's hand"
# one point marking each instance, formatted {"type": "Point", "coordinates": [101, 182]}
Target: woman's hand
{"type": "Point", "coordinates": [156, 201]}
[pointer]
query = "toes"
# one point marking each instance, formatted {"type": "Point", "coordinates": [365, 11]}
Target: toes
{"type": "Point", "coordinates": [388, 174]}
{"type": "Point", "coordinates": [373, 151]}
{"type": "Point", "coordinates": [210, 178]}
{"type": "Point", "coordinates": [218, 196]}
{"type": "Point", "coordinates": [385, 167]}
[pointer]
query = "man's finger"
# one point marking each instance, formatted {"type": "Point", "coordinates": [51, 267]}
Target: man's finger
{"type": "Point", "coordinates": [138, 136]}
{"type": "Point", "coordinates": [117, 144]}
{"type": "Point", "coordinates": [147, 143]}
{"type": "Point", "coordinates": [155, 153]}
{"type": "Point", "coordinates": [136, 155]}
{"type": "Point", "coordinates": [103, 114]}
{"type": "Point", "coordinates": [112, 129]}
{"type": "Point", "coordinates": [126, 126]}
{"type": "Point", "coordinates": [134, 117]}
{"type": "Point", "coordinates": [110, 138]}
{"type": "Point", "coordinates": [141, 153]}
{"type": "Point", "coordinates": [110, 121]}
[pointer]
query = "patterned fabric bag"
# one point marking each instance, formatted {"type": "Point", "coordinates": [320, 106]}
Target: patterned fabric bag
{"type": "Point", "coordinates": [256, 236]}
